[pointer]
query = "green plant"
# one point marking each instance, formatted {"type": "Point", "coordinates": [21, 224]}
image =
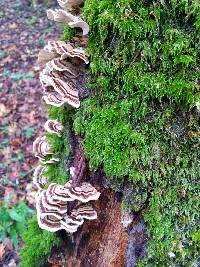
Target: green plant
{"type": "Point", "coordinates": [30, 132]}
{"type": "Point", "coordinates": [19, 76]}
{"type": "Point", "coordinates": [68, 33]}
{"type": "Point", "coordinates": [13, 219]}
{"type": "Point", "coordinates": [3, 54]}
{"type": "Point", "coordinates": [33, 20]}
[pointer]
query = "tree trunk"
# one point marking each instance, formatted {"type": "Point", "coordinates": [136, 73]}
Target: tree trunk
{"type": "Point", "coordinates": [115, 239]}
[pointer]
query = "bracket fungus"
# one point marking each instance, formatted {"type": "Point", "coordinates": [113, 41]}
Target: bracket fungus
{"type": "Point", "coordinates": [53, 99]}
{"type": "Point", "coordinates": [62, 50]}
{"type": "Point", "coordinates": [52, 206]}
{"type": "Point", "coordinates": [70, 4]}
{"type": "Point", "coordinates": [84, 211]}
{"type": "Point", "coordinates": [52, 160]}
{"type": "Point", "coordinates": [62, 81]}
{"type": "Point", "coordinates": [63, 65]}
{"type": "Point", "coordinates": [66, 89]}
{"type": "Point", "coordinates": [41, 148]}
{"type": "Point", "coordinates": [38, 178]}
{"type": "Point", "coordinates": [84, 193]}
{"type": "Point", "coordinates": [58, 192]}
{"type": "Point", "coordinates": [60, 15]}
{"type": "Point", "coordinates": [53, 126]}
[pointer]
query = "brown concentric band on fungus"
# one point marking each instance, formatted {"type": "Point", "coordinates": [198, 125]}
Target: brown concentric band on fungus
{"type": "Point", "coordinates": [38, 178]}
{"type": "Point", "coordinates": [56, 49]}
{"type": "Point", "coordinates": [63, 65]}
{"type": "Point", "coordinates": [84, 193]}
{"type": "Point", "coordinates": [53, 126]}
{"type": "Point", "coordinates": [53, 99]}
{"type": "Point", "coordinates": [41, 147]}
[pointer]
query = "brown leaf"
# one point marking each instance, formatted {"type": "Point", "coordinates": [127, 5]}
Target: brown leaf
{"type": "Point", "coordinates": [10, 194]}
{"type": "Point", "coordinates": [12, 128]}
{"type": "Point", "coordinates": [8, 244]}
{"type": "Point", "coordinates": [13, 25]}
{"type": "Point", "coordinates": [2, 251]}
{"type": "Point", "coordinates": [3, 110]}
{"type": "Point", "coordinates": [12, 263]}
{"type": "Point", "coordinates": [15, 142]}
{"type": "Point", "coordinates": [12, 48]}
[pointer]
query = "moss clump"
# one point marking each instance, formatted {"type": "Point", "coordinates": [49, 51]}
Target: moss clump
{"type": "Point", "coordinates": [138, 124]}
{"type": "Point", "coordinates": [68, 33]}
{"type": "Point", "coordinates": [38, 243]}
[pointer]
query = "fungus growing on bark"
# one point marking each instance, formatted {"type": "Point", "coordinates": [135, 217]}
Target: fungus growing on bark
{"type": "Point", "coordinates": [41, 147]}
{"type": "Point", "coordinates": [65, 88]}
{"type": "Point", "coordinates": [62, 50]}
{"type": "Point", "coordinates": [63, 65]}
{"type": "Point", "coordinates": [67, 91]}
{"type": "Point", "coordinates": [52, 160]}
{"type": "Point", "coordinates": [54, 99]}
{"type": "Point", "coordinates": [52, 207]}
{"type": "Point", "coordinates": [84, 211]}
{"type": "Point", "coordinates": [53, 126]}
{"type": "Point", "coordinates": [58, 192]}
{"type": "Point", "coordinates": [38, 178]}
{"type": "Point", "coordinates": [60, 15]}
{"type": "Point", "coordinates": [84, 193]}
{"type": "Point", "coordinates": [69, 4]}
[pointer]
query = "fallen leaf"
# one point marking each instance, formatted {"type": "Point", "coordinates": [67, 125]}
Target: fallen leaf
{"type": "Point", "coordinates": [12, 48]}
{"type": "Point", "coordinates": [10, 194]}
{"type": "Point", "coordinates": [15, 142]}
{"type": "Point", "coordinates": [12, 128]}
{"type": "Point", "coordinates": [2, 251]}
{"type": "Point", "coordinates": [12, 263]}
{"type": "Point", "coordinates": [3, 110]}
{"type": "Point", "coordinates": [13, 25]}
{"type": "Point", "coordinates": [8, 243]}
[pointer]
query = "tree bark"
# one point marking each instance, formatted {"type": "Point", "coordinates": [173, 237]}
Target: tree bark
{"type": "Point", "coordinates": [113, 240]}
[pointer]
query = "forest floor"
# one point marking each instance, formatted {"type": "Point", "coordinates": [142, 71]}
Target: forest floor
{"type": "Point", "coordinates": [24, 30]}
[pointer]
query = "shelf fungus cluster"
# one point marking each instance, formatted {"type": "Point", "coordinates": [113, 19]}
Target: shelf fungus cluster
{"type": "Point", "coordinates": [62, 206]}
{"type": "Point", "coordinates": [52, 206]}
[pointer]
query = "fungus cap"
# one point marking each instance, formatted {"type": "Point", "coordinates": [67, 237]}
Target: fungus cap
{"type": "Point", "coordinates": [84, 211]}
{"type": "Point", "coordinates": [56, 49]}
{"type": "Point", "coordinates": [41, 147]}
{"type": "Point", "coordinates": [60, 15]}
{"type": "Point", "coordinates": [53, 126]}
{"type": "Point", "coordinates": [53, 99]}
{"type": "Point", "coordinates": [38, 178]}
{"type": "Point", "coordinates": [84, 193]}
{"type": "Point", "coordinates": [69, 4]}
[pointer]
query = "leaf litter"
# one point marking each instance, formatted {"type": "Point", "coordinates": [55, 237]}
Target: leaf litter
{"type": "Point", "coordinates": [24, 30]}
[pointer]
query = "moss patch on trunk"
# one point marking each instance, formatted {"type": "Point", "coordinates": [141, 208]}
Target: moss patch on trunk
{"type": "Point", "coordinates": [141, 122]}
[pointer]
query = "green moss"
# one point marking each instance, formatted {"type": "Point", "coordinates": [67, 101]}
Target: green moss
{"type": "Point", "coordinates": [38, 243]}
{"type": "Point", "coordinates": [138, 124]}
{"type": "Point", "coordinates": [68, 33]}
